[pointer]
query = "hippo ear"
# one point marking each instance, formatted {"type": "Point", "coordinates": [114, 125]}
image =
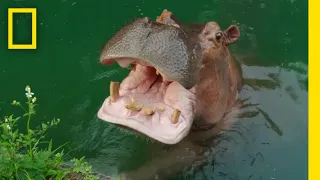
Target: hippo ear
{"type": "Point", "coordinates": [232, 34]}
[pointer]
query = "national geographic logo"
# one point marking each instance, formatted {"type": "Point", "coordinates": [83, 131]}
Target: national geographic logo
{"type": "Point", "coordinates": [33, 12]}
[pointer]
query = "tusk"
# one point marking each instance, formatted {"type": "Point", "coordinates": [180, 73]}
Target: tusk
{"type": "Point", "coordinates": [114, 91]}
{"type": "Point", "coordinates": [175, 116]}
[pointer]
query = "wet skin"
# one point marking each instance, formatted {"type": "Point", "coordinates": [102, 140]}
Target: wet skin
{"type": "Point", "coordinates": [178, 71]}
{"type": "Point", "coordinates": [221, 77]}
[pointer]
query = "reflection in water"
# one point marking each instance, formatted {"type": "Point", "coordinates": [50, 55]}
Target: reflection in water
{"type": "Point", "coordinates": [272, 124]}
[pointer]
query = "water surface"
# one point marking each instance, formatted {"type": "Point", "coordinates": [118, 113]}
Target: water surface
{"type": "Point", "coordinates": [69, 82]}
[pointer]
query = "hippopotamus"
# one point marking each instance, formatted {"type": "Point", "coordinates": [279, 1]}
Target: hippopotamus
{"type": "Point", "coordinates": [183, 78]}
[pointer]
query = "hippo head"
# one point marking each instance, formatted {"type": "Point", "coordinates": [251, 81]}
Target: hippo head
{"type": "Point", "coordinates": [165, 48]}
{"type": "Point", "coordinates": [158, 97]}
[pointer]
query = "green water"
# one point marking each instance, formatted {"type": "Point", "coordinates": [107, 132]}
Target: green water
{"type": "Point", "coordinates": [69, 83]}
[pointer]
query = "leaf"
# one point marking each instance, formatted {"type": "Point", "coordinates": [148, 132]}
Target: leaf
{"type": "Point", "coordinates": [43, 155]}
{"type": "Point", "coordinates": [39, 177]}
{"type": "Point", "coordinates": [14, 121]}
{"type": "Point", "coordinates": [50, 145]}
{"type": "Point", "coordinates": [32, 112]}
{"type": "Point", "coordinates": [62, 173]}
{"type": "Point", "coordinates": [24, 162]}
{"type": "Point", "coordinates": [10, 118]}
{"type": "Point", "coordinates": [15, 134]}
{"type": "Point", "coordinates": [17, 118]}
{"type": "Point", "coordinates": [5, 136]}
{"type": "Point", "coordinates": [60, 147]}
{"type": "Point", "coordinates": [5, 144]}
{"type": "Point", "coordinates": [23, 141]}
{"type": "Point", "coordinates": [30, 174]}
{"type": "Point", "coordinates": [44, 126]}
{"type": "Point", "coordinates": [52, 172]}
{"type": "Point", "coordinates": [36, 141]}
{"type": "Point", "coordinates": [6, 165]}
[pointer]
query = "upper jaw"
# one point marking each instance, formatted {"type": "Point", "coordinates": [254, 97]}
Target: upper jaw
{"type": "Point", "coordinates": [168, 49]}
{"type": "Point", "coordinates": [125, 61]}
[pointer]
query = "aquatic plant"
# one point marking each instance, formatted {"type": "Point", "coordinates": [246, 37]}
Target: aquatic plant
{"type": "Point", "coordinates": [21, 156]}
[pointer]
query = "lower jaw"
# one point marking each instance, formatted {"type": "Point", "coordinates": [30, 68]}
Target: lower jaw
{"type": "Point", "coordinates": [150, 127]}
{"type": "Point", "coordinates": [151, 112]}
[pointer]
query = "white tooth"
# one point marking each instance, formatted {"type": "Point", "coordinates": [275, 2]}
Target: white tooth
{"type": "Point", "coordinates": [148, 111]}
{"type": "Point", "coordinates": [157, 72]}
{"type": "Point", "coordinates": [175, 116]}
{"type": "Point", "coordinates": [114, 91]}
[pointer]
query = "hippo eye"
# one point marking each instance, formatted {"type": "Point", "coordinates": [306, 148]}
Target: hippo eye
{"type": "Point", "coordinates": [218, 35]}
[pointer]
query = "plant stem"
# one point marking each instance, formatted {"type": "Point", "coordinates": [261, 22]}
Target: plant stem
{"type": "Point", "coordinates": [23, 108]}
{"type": "Point", "coordinates": [28, 128]}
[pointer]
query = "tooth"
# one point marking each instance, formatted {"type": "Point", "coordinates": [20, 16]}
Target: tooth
{"type": "Point", "coordinates": [133, 100]}
{"type": "Point", "coordinates": [114, 91]}
{"type": "Point", "coordinates": [175, 116]}
{"type": "Point", "coordinates": [157, 72]}
{"type": "Point", "coordinates": [148, 111]}
{"type": "Point", "coordinates": [161, 108]}
{"type": "Point", "coordinates": [134, 106]}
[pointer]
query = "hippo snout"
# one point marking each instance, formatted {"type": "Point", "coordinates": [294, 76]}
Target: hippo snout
{"type": "Point", "coordinates": [164, 47]}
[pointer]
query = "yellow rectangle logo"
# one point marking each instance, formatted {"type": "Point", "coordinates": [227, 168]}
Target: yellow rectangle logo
{"type": "Point", "coordinates": [33, 12]}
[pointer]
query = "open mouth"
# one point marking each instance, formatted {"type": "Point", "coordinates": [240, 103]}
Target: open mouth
{"type": "Point", "coordinates": [148, 102]}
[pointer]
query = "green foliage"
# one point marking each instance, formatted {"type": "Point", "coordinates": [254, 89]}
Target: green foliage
{"type": "Point", "coordinates": [21, 156]}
